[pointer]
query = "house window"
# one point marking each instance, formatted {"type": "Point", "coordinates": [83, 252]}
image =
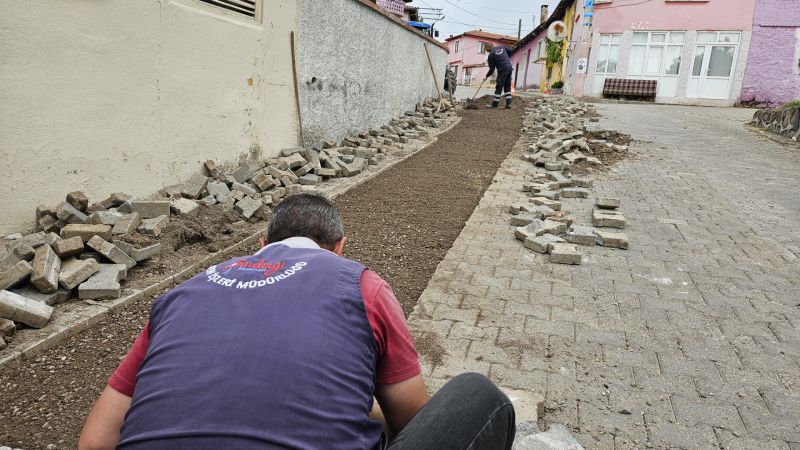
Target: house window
{"type": "Point", "coordinates": [608, 53]}
{"type": "Point", "coordinates": [481, 47]}
{"type": "Point", "coordinates": [540, 49]}
{"type": "Point", "coordinates": [656, 53]}
{"type": "Point", "coordinates": [458, 44]}
{"type": "Point", "coordinates": [244, 7]}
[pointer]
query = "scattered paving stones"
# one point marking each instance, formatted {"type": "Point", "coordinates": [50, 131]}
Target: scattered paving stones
{"type": "Point", "coordinates": [607, 203]}
{"type": "Point", "coordinates": [575, 193]}
{"type": "Point", "coordinates": [153, 227]}
{"type": "Point", "coordinates": [46, 267]}
{"type": "Point", "coordinates": [555, 205]}
{"type": "Point", "coordinates": [605, 219]}
{"type": "Point", "coordinates": [582, 235]}
{"type": "Point", "coordinates": [111, 252]}
{"type": "Point", "coordinates": [78, 200]}
{"type": "Point", "coordinates": [184, 207]}
{"type": "Point", "coordinates": [75, 271]}
{"type": "Point", "coordinates": [20, 309]}
{"type": "Point", "coordinates": [149, 209]}
{"type": "Point", "coordinates": [69, 247]}
{"type": "Point", "coordinates": [543, 243]}
{"type": "Point", "coordinates": [54, 298]}
{"type": "Point", "coordinates": [562, 253]}
{"type": "Point", "coordinates": [195, 186]}
{"type": "Point", "coordinates": [612, 239]}
{"type": "Point", "coordinates": [104, 284]}
{"type": "Point", "coordinates": [247, 207]}
{"type": "Point", "coordinates": [128, 223]}
{"type": "Point", "coordinates": [15, 274]}
{"type": "Point", "coordinates": [85, 232]}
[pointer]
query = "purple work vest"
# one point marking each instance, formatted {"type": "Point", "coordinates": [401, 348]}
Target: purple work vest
{"type": "Point", "coordinates": [268, 351]}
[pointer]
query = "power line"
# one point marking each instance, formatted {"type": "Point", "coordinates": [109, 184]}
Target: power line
{"type": "Point", "coordinates": [477, 15]}
{"type": "Point", "coordinates": [456, 21]}
{"type": "Point", "coordinates": [496, 9]}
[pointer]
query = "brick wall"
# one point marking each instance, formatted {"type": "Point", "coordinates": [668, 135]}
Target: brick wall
{"type": "Point", "coordinates": [772, 75]}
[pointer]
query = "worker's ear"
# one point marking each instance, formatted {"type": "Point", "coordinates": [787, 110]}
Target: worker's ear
{"type": "Point", "coordinates": [338, 247]}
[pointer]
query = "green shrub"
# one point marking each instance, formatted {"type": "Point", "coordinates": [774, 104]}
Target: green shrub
{"type": "Point", "coordinates": [558, 85]}
{"type": "Point", "coordinates": [791, 104]}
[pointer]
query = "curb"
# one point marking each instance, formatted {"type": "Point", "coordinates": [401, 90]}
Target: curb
{"type": "Point", "coordinates": [77, 316]}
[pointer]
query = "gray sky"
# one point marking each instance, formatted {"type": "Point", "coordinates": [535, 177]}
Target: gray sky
{"type": "Point", "coordinates": [495, 16]}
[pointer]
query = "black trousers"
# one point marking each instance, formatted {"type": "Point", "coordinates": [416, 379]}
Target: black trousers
{"type": "Point", "coordinates": [469, 412]}
{"type": "Point", "coordinates": [503, 84]}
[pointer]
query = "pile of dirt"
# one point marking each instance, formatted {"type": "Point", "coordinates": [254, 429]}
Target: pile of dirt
{"type": "Point", "coordinates": [401, 224]}
{"type": "Point", "coordinates": [609, 155]}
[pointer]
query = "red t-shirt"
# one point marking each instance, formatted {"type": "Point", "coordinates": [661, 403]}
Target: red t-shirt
{"type": "Point", "coordinates": [397, 357]}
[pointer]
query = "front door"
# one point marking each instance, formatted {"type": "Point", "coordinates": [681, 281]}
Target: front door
{"type": "Point", "coordinates": [467, 76]}
{"type": "Point", "coordinates": [712, 69]}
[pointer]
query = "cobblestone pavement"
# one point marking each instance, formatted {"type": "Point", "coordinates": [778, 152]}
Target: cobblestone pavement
{"type": "Point", "coordinates": [689, 339]}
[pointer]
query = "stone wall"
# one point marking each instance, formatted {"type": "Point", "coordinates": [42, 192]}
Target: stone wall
{"type": "Point", "coordinates": [773, 67]}
{"type": "Point", "coordinates": [784, 121]}
{"type": "Point", "coordinates": [359, 68]}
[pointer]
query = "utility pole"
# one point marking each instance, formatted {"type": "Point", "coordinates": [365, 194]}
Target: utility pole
{"type": "Point", "coordinates": [519, 30]}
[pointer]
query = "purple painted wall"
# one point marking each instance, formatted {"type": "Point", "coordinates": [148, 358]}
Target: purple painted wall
{"type": "Point", "coordinates": [772, 75]}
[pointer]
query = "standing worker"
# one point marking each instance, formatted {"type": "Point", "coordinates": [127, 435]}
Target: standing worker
{"type": "Point", "coordinates": [285, 349]}
{"type": "Point", "coordinates": [499, 57]}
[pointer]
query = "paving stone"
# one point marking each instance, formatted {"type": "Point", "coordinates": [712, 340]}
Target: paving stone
{"type": "Point", "coordinates": [53, 298]}
{"type": "Point", "coordinates": [149, 209]}
{"type": "Point", "coordinates": [541, 244]}
{"type": "Point", "coordinates": [522, 220]}
{"type": "Point", "coordinates": [575, 156]}
{"type": "Point", "coordinates": [217, 188]}
{"type": "Point", "coordinates": [607, 203]}
{"type": "Point", "coordinates": [47, 223]}
{"type": "Point", "coordinates": [243, 173]}
{"type": "Point", "coordinates": [153, 227]}
{"type": "Point", "coordinates": [76, 271]}
{"type": "Point", "coordinates": [69, 214]}
{"type": "Point", "coordinates": [46, 268]}
{"type": "Point", "coordinates": [78, 200]}
{"type": "Point", "coordinates": [295, 160]}
{"type": "Point", "coordinates": [14, 275]}
{"type": "Point", "coordinates": [69, 247]}
{"type": "Point", "coordinates": [551, 227]}
{"type": "Point", "coordinates": [582, 182]}
{"type": "Point", "coordinates": [551, 195]}
{"type": "Point", "coordinates": [22, 310]}
{"type": "Point", "coordinates": [304, 169]}
{"type": "Point", "coordinates": [528, 231]}
{"type": "Point", "coordinates": [22, 252]}
{"type": "Point", "coordinates": [561, 253]}
{"type": "Point", "coordinates": [555, 205]}
{"type": "Point", "coordinates": [7, 327]}
{"type": "Point", "coordinates": [34, 239]}
{"type": "Point", "coordinates": [557, 165]}
{"type": "Point", "coordinates": [264, 182]}
{"type": "Point", "coordinates": [541, 211]}
{"type": "Point", "coordinates": [310, 179]}
{"type": "Point", "coordinates": [247, 207]}
{"type": "Point", "coordinates": [582, 235]}
{"type": "Point", "coordinates": [128, 223]}
{"type": "Point", "coordinates": [184, 207]}
{"type": "Point", "coordinates": [85, 232]}
{"type": "Point", "coordinates": [611, 239]}
{"type": "Point", "coordinates": [195, 186]}
{"type": "Point", "coordinates": [291, 151]}
{"type": "Point", "coordinates": [51, 238]}
{"type": "Point", "coordinates": [104, 284]}
{"type": "Point", "coordinates": [324, 172]}
{"type": "Point", "coordinates": [138, 254]}
{"type": "Point", "coordinates": [294, 189]}
{"type": "Point", "coordinates": [575, 193]}
{"type": "Point", "coordinates": [603, 219]}
{"type": "Point", "coordinates": [111, 252]}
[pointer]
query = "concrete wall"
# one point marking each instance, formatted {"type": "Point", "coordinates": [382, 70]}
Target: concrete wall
{"type": "Point", "coordinates": [359, 68]}
{"type": "Point", "coordinates": [132, 96]}
{"type": "Point", "coordinates": [773, 67]}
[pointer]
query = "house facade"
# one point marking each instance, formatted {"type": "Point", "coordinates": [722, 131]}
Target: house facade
{"type": "Point", "coordinates": [529, 55]}
{"type": "Point", "coordinates": [696, 50]}
{"type": "Point", "coordinates": [772, 75]}
{"type": "Point", "coordinates": [468, 54]}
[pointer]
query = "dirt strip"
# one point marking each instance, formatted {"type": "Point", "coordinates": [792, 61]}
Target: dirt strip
{"type": "Point", "coordinates": [400, 224]}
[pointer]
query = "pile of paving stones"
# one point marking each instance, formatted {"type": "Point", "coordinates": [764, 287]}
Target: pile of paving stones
{"type": "Point", "coordinates": [555, 129]}
{"type": "Point", "coordinates": [784, 120]}
{"type": "Point", "coordinates": [79, 250]}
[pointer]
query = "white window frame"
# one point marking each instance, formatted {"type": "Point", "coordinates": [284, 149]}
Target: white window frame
{"type": "Point", "coordinates": [608, 46]}
{"type": "Point", "coordinates": [481, 47]}
{"type": "Point", "coordinates": [664, 46]}
{"type": "Point", "coordinates": [457, 45]}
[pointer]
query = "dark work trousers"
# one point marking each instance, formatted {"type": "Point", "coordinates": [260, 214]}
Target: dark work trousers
{"type": "Point", "coordinates": [469, 412]}
{"type": "Point", "coordinates": [503, 84]}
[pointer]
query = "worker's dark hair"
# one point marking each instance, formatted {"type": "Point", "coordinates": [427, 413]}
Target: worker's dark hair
{"type": "Point", "coordinates": [306, 215]}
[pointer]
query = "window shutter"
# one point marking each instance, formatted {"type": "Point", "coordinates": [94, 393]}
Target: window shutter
{"type": "Point", "coordinates": [244, 7]}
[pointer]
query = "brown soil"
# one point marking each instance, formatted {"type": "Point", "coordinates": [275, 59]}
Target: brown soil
{"type": "Point", "coordinates": [401, 224]}
{"type": "Point", "coordinates": [607, 155]}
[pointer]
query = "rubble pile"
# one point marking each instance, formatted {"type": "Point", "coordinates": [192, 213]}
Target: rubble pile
{"type": "Point", "coordinates": [80, 249]}
{"type": "Point", "coordinates": [784, 120]}
{"type": "Point", "coordinates": [557, 139]}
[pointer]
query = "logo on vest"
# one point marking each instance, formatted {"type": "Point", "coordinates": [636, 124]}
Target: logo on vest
{"type": "Point", "coordinates": [269, 271]}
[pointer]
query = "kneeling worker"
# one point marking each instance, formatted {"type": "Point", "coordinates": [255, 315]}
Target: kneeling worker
{"type": "Point", "coordinates": [287, 349]}
{"type": "Point", "coordinates": [499, 58]}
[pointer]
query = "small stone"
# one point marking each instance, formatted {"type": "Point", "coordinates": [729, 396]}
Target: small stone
{"type": "Point", "coordinates": [111, 252]}
{"type": "Point", "coordinates": [304, 169]}
{"type": "Point", "coordinates": [51, 238]}
{"type": "Point", "coordinates": [105, 218]}
{"type": "Point", "coordinates": [78, 200]}
{"type": "Point", "coordinates": [85, 232]}
{"type": "Point", "coordinates": [211, 168]}
{"type": "Point", "coordinates": [603, 219]}
{"type": "Point", "coordinates": [247, 207]}
{"type": "Point", "coordinates": [550, 203]}
{"type": "Point", "coordinates": [521, 220]}
{"type": "Point", "coordinates": [184, 207]}
{"type": "Point", "coordinates": [149, 209]}
{"type": "Point", "coordinates": [76, 271]}
{"type": "Point", "coordinates": [209, 201]}
{"type": "Point", "coordinates": [126, 224]}
{"type": "Point", "coordinates": [582, 235]}
{"type": "Point", "coordinates": [69, 214]}
{"type": "Point", "coordinates": [47, 224]}
{"type": "Point", "coordinates": [22, 310]}
{"type": "Point", "coordinates": [14, 275]}
{"type": "Point", "coordinates": [264, 182]}
{"type": "Point", "coordinates": [542, 244]}
{"type": "Point", "coordinates": [53, 298]}
{"type": "Point", "coordinates": [104, 284]}
{"type": "Point", "coordinates": [217, 188]}
{"type": "Point", "coordinates": [243, 173]}
{"type": "Point", "coordinates": [582, 182]}
{"type": "Point", "coordinates": [66, 248]}
{"type": "Point", "coordinates": [244, 189]}
{"type": "Point", "coordinates": [607, 203]}
{"type": "Point", "coordinates": [611, 239]}
{"type": "Point", "coordinates": [153, 227]}
{"type": "Point", "coordinates": [35, 240]}
{"type": "Point", "coordinates": [46, 268]}
{"type": "Point", "coordinates": [310, 179]}
{"type": "Point", "coordinates": [295, 160]}
{"type": "Point", "coordinates": [551, 227]}
{"type": "Point", "coordinates": [195, 186]}
{"type": "Point", "coordinates": [562, 253]}
{"type": "Point", "coordinates": [7, 327]}
{"type": "Point", "coordinates": [575, 193]}
{"type": "Point", "coordinates": [138, 254]}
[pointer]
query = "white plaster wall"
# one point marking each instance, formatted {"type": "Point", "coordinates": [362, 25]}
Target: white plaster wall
{"type": "Point", "coordinates": [132, 96]}
{"type": "Point", "coordinates": [359, 69]}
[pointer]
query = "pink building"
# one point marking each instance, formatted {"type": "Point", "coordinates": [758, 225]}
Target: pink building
{"type": "Point", "coordinates": [696, 50]}
{"type": "Point", "coordinates": [468, 54]}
